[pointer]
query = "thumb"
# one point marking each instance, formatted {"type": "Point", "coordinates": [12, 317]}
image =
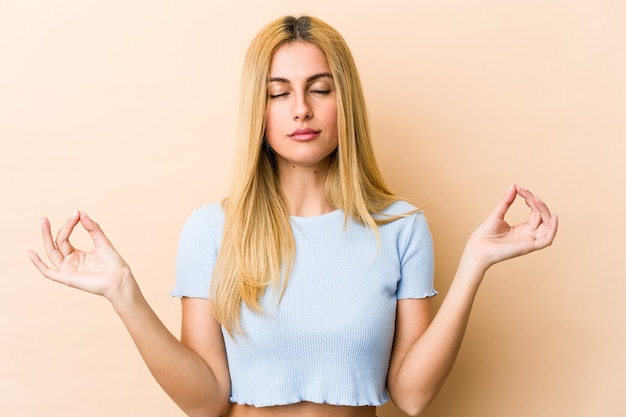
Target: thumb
{"type": "Point", "coordinates": [505, 203]}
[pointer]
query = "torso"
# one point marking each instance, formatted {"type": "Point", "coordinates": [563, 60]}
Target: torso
{"type": "Point", "coordinates": [303, 409]}
{"type": "Point", "coordinates": [331, 339]}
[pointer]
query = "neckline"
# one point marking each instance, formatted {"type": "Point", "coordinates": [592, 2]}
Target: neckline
{"type": "Point", "coordinates": [324, 216]}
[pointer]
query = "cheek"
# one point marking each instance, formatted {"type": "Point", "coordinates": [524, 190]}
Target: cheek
{"type": "Point", "coordinates": [332, 123]}
{"type": "Point", "coordinates": [276, 111]}
{"type": "Point", "coordinates": [271, 121]}
{"type": "Point", "coordinates": [274, 128]}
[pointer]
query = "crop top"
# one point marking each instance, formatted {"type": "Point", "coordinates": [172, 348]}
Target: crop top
{"type": "Point", "coordinates": [329, 339]}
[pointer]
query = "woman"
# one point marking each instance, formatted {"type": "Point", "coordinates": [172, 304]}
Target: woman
{"type": "Point", "coordinates": [307, 291]}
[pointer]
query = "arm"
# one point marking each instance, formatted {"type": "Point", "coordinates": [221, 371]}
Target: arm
{"type": "Point", "coordinates": [193, 373]}
{"type": "Point", "coordinates": [424, 353]}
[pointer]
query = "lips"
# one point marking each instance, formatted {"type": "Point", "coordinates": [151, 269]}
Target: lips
{"type": "Point", "coordinates": [304, 134]}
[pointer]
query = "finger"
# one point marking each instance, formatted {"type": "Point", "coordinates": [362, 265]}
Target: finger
{"type": "Point", "coordinates": [554, 226]}
{"type": "Point", "coordinates": [94, 230]}
{"type": "Point", "coordinates": [544, 210]}
{"type": "Point", "coordinates": [540, 211]}
{"type": "Point", "coordinates": [534, 219]}
{"type": "Point", "coordinates": [549, 232]}
{"type": "Point", "coordinates": [45, 270]}
{"type": "Point", "coordinates": [525, 194]}
{"type": "Point", "coordinates": [62, 240]}
{"type": "Point", "coordinates": [55, 256]}
{"type": "Point", "coordinates": [39, 264]}
{"type": "Point", "coordinates": [532, 200]}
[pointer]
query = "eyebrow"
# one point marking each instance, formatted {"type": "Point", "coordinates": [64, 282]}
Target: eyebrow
{"type": "Point", "coordinates": [308, 80]}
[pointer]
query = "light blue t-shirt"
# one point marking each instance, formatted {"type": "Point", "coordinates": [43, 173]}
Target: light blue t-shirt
{"type": "Point", "coordinates": [330, 338]}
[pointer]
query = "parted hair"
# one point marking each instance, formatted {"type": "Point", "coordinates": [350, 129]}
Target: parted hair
{"type": "Point", "coordinates": [258, 247]}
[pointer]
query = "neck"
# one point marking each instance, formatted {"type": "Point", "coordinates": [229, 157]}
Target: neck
{"type": "Point", "coordinates": [303, 189]}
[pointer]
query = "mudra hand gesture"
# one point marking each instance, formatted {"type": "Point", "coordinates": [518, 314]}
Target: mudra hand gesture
{"type": "Point", "coordinates": [100, 271]}
{"type": "Point", "coordinates": [495, 240]}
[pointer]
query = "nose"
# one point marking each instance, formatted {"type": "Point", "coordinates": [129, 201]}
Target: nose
{"type": "Point", "coordinates": [302, 108]}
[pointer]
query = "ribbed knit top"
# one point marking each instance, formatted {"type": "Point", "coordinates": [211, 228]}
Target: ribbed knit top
{"type": "Point", "coordinates": [330, 338]}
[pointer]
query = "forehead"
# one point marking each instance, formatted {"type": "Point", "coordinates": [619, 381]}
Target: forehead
{"type": "Point", "coordinates": [298, 59]}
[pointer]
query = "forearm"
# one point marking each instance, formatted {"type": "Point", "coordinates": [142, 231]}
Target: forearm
{"type": "Point", "coordinates": [424, 360]}
{"type": "Point", "coordinates": [182, 373]}
{"type": "Point", "coordinates": [415, 379]}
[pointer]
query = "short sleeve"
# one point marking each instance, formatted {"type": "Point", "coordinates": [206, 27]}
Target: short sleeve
{"type": "Point", "coordinates": [417, 261]}
{"type": "Point", "coordinates": [197, 252]}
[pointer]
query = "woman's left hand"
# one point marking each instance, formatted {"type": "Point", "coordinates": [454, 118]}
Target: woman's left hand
{"type": "Point", "coordinates": [495, 240]}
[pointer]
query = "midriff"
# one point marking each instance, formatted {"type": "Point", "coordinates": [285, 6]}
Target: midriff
{"type": "Point", "coordinates": [302, 409]}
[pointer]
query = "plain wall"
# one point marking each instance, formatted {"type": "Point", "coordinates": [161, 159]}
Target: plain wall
{"type": "Point", "coordinates": [127, 109]}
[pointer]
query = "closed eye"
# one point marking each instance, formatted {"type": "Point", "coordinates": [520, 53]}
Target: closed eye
{"type": "Point", "coordinates": [278, 95]}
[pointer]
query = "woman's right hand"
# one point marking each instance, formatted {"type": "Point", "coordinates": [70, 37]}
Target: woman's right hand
{"type": "Point", "coordinates": [100, 271]}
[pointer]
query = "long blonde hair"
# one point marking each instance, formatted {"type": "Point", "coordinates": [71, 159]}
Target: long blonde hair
{"type": "Point", "coordinates": [258, 247]}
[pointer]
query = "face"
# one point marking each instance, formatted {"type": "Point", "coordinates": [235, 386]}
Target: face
{"type": "Point", "coordinates": [302, 109]}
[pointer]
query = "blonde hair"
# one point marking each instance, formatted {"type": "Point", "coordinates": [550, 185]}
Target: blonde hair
{"type": "Point", "coordinates": [258, 247]}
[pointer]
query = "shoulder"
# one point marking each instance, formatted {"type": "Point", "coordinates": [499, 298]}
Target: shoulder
{"type": "Point", "coordinates": [198, 247]}
{"type": "Point", "coordinates": [207, 215]}
{"type": "Point", "coordinates": [405, 223]}
{"type": "Point", "coordinates": [402, 212]}
{"type": "Point", "coordinates": [208, 212]}
{"type": "Point", "coordinates": [205, 222]}
{"type": "Point", "coordinates": [399, 208]}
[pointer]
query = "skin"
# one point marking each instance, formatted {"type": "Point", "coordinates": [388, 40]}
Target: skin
{"type": "Point", "coordinates": [193, 371]}
{"type": "Point", "coordinates": [302, 96]}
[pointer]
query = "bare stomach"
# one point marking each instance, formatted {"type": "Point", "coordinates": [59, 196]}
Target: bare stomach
{"type": "Point", "coordinates": [303, 409]}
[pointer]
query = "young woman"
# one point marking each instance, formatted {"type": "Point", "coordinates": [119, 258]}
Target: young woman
{"type": "Point", "coordinates": [306, 292]}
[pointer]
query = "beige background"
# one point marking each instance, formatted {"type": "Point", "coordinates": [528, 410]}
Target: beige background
{"type": "Point", "coordinates": [127, 109]}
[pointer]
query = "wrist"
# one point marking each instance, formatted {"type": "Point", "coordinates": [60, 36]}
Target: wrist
{"type": "Point", "coordinates": [126, 294]}
{"type": "Point", "coordinates": [472, 265]}
{"type": "Point", "coordinates": [477, 256]}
